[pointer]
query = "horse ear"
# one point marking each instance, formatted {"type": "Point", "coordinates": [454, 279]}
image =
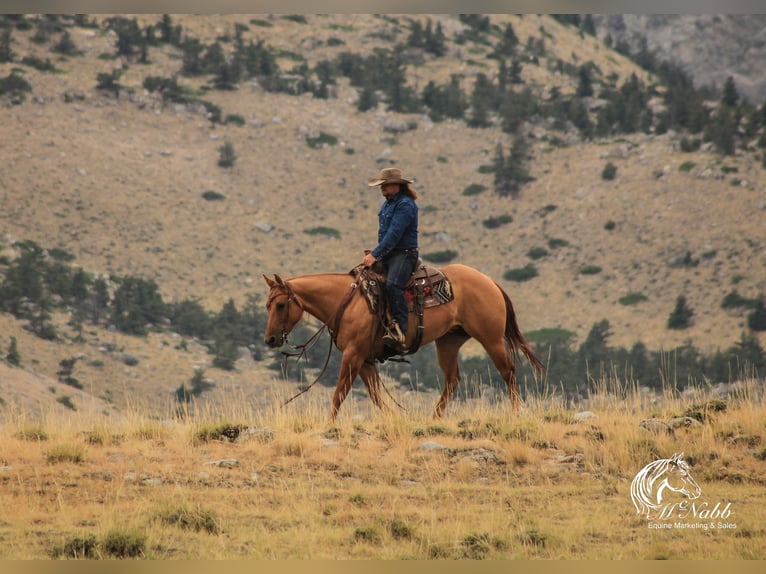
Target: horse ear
{"type": "Point", "coordinates": [269, 282]}
{"type": "Point", "coordinates": [280, 281]}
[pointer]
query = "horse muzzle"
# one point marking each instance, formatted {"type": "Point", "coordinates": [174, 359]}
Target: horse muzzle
{"type": "Point", "coordinates": [273, 341]}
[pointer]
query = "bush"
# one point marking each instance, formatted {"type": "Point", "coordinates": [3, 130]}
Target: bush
{"type": "Point", "coordinates": [322, 140]}
{"type": "Point", "coordinates": [65, 453]}
{"type": "Point", "coordinates": [537, 253]}
{"type": "Point", "coordinates": [124, 544]}
{"type": "Point", "coordinates": [322, 230]}
{"type": "Point", "coordinates": [687, 166]}
{"type": "Point", "coordinates": [495, 222]}
{"type": "Point", "coordinates": [609, 172]}
{"type": "Point", "coordinates": [227, 156]}
{"type": "Point", "coordinates": [520, 274]}
{"type": "Point", "coordinates": [440, 256]}
{"type": "Point", "coordinates": [474, 189]}
{"type": "Point", "coordinates": [590, 270]}
{"type": "Point", "coordinates": [211, 195]}
{"type": "Point", "coordinates": [195, 519]}
{"type": "Point", "coordinates": [632, 299]}
{"type": "Point", "coordinates": [690, 145]}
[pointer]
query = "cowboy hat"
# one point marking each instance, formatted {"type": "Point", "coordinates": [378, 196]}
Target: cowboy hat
{"type": "Point", "coordinates": [389, 175]}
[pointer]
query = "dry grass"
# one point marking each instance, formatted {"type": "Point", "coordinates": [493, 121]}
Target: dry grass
{"type": "Point", "coordinates": [533, 484]}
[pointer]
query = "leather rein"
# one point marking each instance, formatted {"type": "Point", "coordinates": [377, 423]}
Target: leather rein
{"type": "Point", "coordinates": [301, 350]}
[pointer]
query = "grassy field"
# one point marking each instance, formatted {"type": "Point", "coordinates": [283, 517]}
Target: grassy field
{"type": "Point", "coordinates": [279, 483]}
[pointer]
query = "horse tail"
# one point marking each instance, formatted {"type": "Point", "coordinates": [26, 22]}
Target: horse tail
{"type": "Point", "coordinates": [514, 336]}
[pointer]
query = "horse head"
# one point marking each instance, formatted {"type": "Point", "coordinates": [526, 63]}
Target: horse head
{"type": "Point", "coordinates": [285, 310]}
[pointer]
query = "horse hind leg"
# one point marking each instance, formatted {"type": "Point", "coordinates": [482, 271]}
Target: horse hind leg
{"type": "Point", "coordinates": [502, 360]}
{"type": "Point", "coordinates": [447, 348]}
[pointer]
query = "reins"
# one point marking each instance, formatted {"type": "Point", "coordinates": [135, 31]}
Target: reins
{"type": "Point", "coordinates": [335, 320]}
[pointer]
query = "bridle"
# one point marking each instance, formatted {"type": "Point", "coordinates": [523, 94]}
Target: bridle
{"type": "Point", "coordinates": [291, 298]}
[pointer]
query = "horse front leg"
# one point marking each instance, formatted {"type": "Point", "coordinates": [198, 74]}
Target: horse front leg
{"type": "Point", "coordinates": [350, 365]}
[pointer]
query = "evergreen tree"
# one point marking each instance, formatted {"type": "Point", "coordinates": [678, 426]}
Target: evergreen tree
{"type": "Point", "coordinates": [416, 39]}
{"type": "Point", "coordinates": [721, 131]}
{"type": "Point", "coordinates": [730, 96]}
{"type": "Point", "coordinates": [681, 317]}
{"type": "Point", "coordinates": [435, 41]}
{"type": "Point", "coordinates": [6, 53]}
{"type": "Point", "coordinates": [137, 303]}
{"type": "Point", "coordinates": [585, 82]}
{"type": "Point", "coordinates": [757, 318]}
{"type": "Point", "coordinates": [483, 101]}
{"type": "Point", "coordinates": [506, 47]}
{"type": "Point", "coordinates": [510, 172]}
{"type": "Point", "coordinates": [226, 157]}
{"type": "Point", "coordinates": [13, 357]}
{"type": "Point", "coordinates": [367, 99]}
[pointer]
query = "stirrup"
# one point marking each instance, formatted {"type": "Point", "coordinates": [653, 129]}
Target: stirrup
{"type": "Point", "coordinates": [395, 339]}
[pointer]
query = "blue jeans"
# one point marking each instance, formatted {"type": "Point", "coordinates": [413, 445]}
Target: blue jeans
{"type": "Point", "coordinates": [400, 265]}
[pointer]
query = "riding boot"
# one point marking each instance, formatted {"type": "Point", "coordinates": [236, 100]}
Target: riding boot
{"type": "Point", "coordinates": [395, 339]}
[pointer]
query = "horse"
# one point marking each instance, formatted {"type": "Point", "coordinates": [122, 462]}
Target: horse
{"type": "Point", "coordinates": [649, 486]}
{"type": "Point", "coordinates": [480, 309]}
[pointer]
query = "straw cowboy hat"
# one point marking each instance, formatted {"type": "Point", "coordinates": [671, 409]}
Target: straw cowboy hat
{"type": "Point", "coordinates": [389, 175]}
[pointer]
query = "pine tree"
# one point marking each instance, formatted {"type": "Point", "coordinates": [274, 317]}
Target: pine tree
{"type": "Point", "coordinates": [681, 317]}
{"type": "Point", "coordinates": [6, 54]}
{"type": "Point", "coordinates": [227, 156]}
{"type": "Point", "coordinates": [730, 96]}
{"type": "Point", "coordinates": [13, 357]}
{"type": "Point", "coordinates": [585, 83]}
{"type": "Point", "coordinates": [483, 98]}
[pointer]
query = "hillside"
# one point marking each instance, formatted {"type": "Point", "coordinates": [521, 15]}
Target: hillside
{"type": "Point", "coordinates": [118, 182]}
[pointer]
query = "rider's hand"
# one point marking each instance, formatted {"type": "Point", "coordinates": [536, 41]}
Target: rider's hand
{"type": "Point", "coordinates": [368, 260]}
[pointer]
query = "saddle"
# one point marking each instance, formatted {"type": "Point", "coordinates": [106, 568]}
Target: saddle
{"type": "Point", "coordinates": [427, 287]}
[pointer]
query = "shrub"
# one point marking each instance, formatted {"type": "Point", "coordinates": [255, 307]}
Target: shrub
{"type": "Point", "coordinates": [227, 156]}
{"type": "Point", "coordinates": [687, 166]}
{"type": "Point", "coordinates": [224, 432]}
{"type": "Point", "coordinates": [195, 519]}
{"type": "Point", "coordinates": [32, 433]}
{"type": "Point", "coordinates": [322, 230]}
{"type": "Point", "coordinates": [77, 547]}
{"type": "Point", "coordinates": [211, 195]}
{"type": "Point", "coordinates": [555, 243]}
{"type": "Point", "coordinates": [520, 274]}
{"type": "Point", "coordinates": [689, 145]}
{"type": "Point", "coordinates": [610, 225]}
{"type": "Point", "coordinates": [495, 222]}
{"type": "Point", "coordinates": [733, 300]}
{"type": "Point", "coordinates": [537, 253]}
{"type": "Point", "coordinates": [590, 270]}
{"type": "Point", "coordinates": [609, 172]}
{"type": "Point", "coordinates": [367, 534]}
{"type": "Point", "coordinates": [67, 402]}
{"type": "Point", "coordinates": [322, 140]}
{"type": "Point", "coordinates": [124, 544]}
{"type": "Point", "coordinates": [632, 299]}
{"type": "Point", "coordinates": [474, 189]}
{"type": "Point", "coordinates": [65, 453]}
{"type": "Point", "coordinates": [440, 256]}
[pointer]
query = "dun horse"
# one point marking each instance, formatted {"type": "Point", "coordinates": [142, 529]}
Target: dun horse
{"type": "Point", "coordinates": [480, 310]}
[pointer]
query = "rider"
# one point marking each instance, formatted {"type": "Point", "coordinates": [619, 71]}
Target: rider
{"type": "Point", "coordinates": [397, 247]}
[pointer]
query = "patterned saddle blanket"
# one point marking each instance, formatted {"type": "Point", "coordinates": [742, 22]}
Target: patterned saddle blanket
{"type": "Point", "coordinates": [427, 287]}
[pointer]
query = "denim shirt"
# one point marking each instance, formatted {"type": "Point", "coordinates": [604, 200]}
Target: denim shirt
{"type": "Point", "coordinates": [398, 225]}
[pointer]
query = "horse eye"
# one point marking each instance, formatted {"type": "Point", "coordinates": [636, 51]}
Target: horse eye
{"type": "Point", "coordinates": [280, 306]}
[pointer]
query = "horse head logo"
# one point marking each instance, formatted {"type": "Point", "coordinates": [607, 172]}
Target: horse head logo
{"type": "Point", "coordinates": [660, 479]}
